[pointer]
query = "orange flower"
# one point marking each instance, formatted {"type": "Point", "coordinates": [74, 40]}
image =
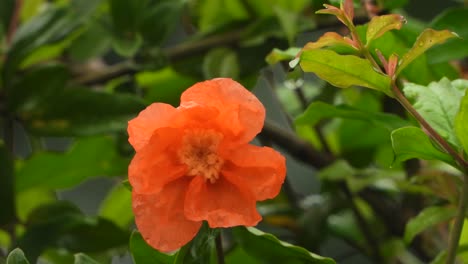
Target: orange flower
{"type": "Point", "coordinates": [194, 163]}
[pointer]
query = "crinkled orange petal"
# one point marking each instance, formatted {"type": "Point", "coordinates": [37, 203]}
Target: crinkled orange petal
{"type": "Point", "coordinates": [141, 128]}
{"type": "Point", "coordinates": [160, 217]}
{"type": "Point", "coordinates": [262, 169]}
{"type": "Point", "coordinates": [222, 203]}
{"type": "Point", "coordinates": [241, 114]}
{"type": "Point", "coordinates": [156, 164]}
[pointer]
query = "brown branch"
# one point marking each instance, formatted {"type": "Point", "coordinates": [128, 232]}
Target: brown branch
{"type": "Point", "coordinates": [14, 21]}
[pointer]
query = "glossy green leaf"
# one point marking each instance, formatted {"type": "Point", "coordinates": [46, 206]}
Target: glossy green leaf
{"type": "Point", "coordinates": [7, 193]}
{"type": "Point", "coordinates": [127, 15]}
{"type": "Point", "coordinates": [269, 249]}
{"type": "Point", "coordinates": [221, 62]}
{"type": "Point", "coordinates": [117, 206]}
{"type": "Point", "coordinates": [344, 70]}
{"type": "Point", "coordinates": [461, 122]}
{"type": "Point", "coordinates": [412, 142]}
{"type": "Point", "coordinates": [64, 114]}
{"type": "Point", "coordinates": [81, 258]}
{"type": "Point", "coordinates": [238, 255]}
{"type": "Point", "coordinates": [453, 19]}
{"type": "Point", "coordinates": [428, 217]}
{"type": "Point", "coordinates": [16, 257]}
{"type": "Point", "coordinates": [425, 41]}
{"type": "Point", "coordinates": [381, 24]}
{"type": "Point", "coordinates": [143, 253]}
{"type": "Point", "coordinates": [62, 225]}
{"type": "Point", "coordinates": [277, 55]}
{"type": "Point", "coordinates": [201, 249]}
{"type": "Point", "coordinates": [88, 157]}
{"type": "Point", "coordinates": [438, 103]}
{"type": "Point", "coordinates": [318, 111]}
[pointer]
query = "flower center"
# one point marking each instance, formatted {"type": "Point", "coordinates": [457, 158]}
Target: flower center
{"type": "Point", "coordinates": [199, 153]}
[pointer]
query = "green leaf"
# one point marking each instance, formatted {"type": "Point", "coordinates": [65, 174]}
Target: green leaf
{"type": "Point", "coordinates": [160, 20]}
{"type": "Point", "coordinates": [438, 103]}
{"type": "Point", "coordinates": [93, 42]}
{"type": "Point", "coordinates": [412, 142]}
{"type": "Point", "coordinates": [221, 62]}
{"type": "Point", "coordinates": [201, 249]}
{"type": "Point", "coordinates": [425, 41]}
{"type": "Point", "coordinates": [453, 19]}
{"type": "Point", "coordinates": [30, 199]}
{"type": "Point", "coordinates": [62, 225]}
{"type": "Point", "coordinates": [277, 55]}
{"type": "Point", "coordinates": [81, 258]}
{"type": "Point", "coordinates": [381, 24]}
{"type": "Point", "coordinates": [338, 171]}
{"type": "Point", "coordinates": [317, 111]}
{"type": "Point", "coordinates": [142, 253]}
{"type": "Point", "coordinates": [88, 157]}
{"type": "Point", "coordinates": [64, 114]}
{"type": "Point", "coordinates": [27, 95]}
{"type": "Point", "coordinates": [461, 122]}
{"type": "Point", "coordinates": [117, 206]}
{"type": "Point", "coordinates": [16, 257]}
{"type": "Point", "coordinates": [215, 14]}
{"type": "Point", "coordinates": [165, 85]}
{"type": "Point", "coordinates": [7, 194]}
{"type": "Point", "coordinates": [344, 70]}
{"type": "Point", "coordinates": [269, 249]}
{"type": "Point", "coordinates": [334, 41]}
{"type": "Point", "coordinates": [238, 255]}
{"type": "Point", "coordinates": [428, 217]}
{"type": "Point", "coordinates": [127, 46]}
{"type": "Point", "coordinates": [127, 15]}
{"type": "Point", "coordinates": [49, 27]}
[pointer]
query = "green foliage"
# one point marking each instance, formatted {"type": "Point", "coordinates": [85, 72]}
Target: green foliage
{"type": "Point", "coordinates": [89, 157]}
{"type": "Point", "coordinates": [62, 225]}
{"type": "Point", "coordinates": [429, 217]}
{"type": "Point", "coordinates": [79, 70]}
{"type": "Point", "coordinates": [16, 257]}
{"type": "Point", "coordinates": [343, 70]}
{"type": "Point", "coordinates": [412, 142]}
{"type": "Point", "coordinates": [319, 110]}
{"type": "Point", "coordinates": [461, 122]}
{"type": "Point", "coordinates": [425, 41]}
{"type": "Point", "coordinates": [438, 103]}
{"type": "Point", "coordinates": [267, 247]}
{"type": "Point", "coordinates": [81, 258]}
{"type": "Point", "coordinates": [144, 254]}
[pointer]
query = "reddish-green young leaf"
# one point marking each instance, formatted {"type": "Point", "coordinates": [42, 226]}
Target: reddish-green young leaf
{"type": "Point", "coordinates": [331, 39]}
{"type": "Point", "coordinates": [344, 70]}
{"type": "Point", "coordinates": [348, 8]}
{"type": "Point", "coordinates": [333, 10]}
{"type": "Point", "coordinates": [381, 24]}
{"type": "Point", "coordinates": [426, 40]}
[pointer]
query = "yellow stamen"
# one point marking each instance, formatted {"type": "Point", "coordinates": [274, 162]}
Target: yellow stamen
{"type": "Point", "coordinates": [199, 152]}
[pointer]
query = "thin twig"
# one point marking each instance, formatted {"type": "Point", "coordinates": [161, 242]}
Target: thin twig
{"type": "Point", "coordinates": [455, 233]}
{"type": "Point", "coordinates": [14, 21]}
{"type": "Point", "coordinates": [219, 249]}
{"type": "Point", "coordinates": [431, 131]}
